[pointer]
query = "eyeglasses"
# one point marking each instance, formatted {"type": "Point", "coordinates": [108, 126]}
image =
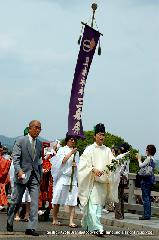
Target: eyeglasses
{"type": "Point", "coordinates": [37, 128]}
{"type": "Point", "coordinates": [101, 134]}
{"type": "Point", "coordinates": [72, 140]}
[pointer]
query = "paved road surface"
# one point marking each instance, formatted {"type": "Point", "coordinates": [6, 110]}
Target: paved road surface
{"type": "Point", "coordinates": [43, 227]}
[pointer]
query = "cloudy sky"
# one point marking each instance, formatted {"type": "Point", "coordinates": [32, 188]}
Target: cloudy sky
{"type": "Point", "coordinates": [38, 54]}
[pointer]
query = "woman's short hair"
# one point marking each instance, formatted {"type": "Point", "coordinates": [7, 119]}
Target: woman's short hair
{"type": "Point", "coordinates": [124, 147]}
{"type": "Point", "coordinates": [151, 149]}
{"type": "Point", "coordinates": [68, 137]}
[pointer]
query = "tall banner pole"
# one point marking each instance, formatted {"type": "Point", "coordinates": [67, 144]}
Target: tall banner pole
{"type": "Point", "coordinates": [87, 49]}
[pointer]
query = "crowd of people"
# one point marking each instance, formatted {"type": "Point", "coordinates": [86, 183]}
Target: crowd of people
{"type": "Point", "coordinates": [43, 180]}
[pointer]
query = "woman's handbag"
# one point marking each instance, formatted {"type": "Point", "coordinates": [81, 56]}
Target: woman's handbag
{"type": "Point", "coordinates": [146, 171]}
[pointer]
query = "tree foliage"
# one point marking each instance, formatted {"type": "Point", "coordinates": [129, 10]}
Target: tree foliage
{"type": "Point", "coordinates": [110, 141]}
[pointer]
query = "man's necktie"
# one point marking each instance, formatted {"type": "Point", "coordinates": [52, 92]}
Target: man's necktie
{"type": "Point", "coordinates": [33, 148]}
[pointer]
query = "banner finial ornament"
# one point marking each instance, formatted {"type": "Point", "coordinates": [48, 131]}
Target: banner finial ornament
{"type": "Point", "coordinates": [94, 8]}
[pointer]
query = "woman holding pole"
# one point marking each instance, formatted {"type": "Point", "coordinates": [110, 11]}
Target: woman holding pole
{"type": "Point", "coordinates": [65, 179]}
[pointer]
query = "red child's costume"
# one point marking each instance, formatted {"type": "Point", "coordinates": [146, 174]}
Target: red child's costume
{"type": "Point", "coordinates": [46, 186]}
{"type": "Point", "coordinates": [4, 179]}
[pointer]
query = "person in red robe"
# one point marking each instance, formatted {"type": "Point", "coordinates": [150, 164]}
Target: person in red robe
{"type": "Point", "coordinates": [4, 177]}
{"type": "Point", "coordinates": [46, 186]}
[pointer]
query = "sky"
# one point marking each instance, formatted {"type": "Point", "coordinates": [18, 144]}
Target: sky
{"type": "Point", "coordinates": [38, 55]}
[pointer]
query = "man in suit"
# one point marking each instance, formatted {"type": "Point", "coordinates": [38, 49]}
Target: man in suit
{"type": "Point", "coordinates": [26, 155]}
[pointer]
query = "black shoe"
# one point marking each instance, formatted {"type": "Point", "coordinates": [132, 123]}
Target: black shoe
{"type": "Point", "coordinates": [9, 227]}
{"type": "Point", "coordinates": [31, 232]}
{"type": "Point", "coordinates": [46, 214]}
{"type": "Point", "coordinates": [144, 218]}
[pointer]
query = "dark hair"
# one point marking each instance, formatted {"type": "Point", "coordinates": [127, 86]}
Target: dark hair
{"type": "Point", "coordinates": [1, 145]}
{"type": "Point", "coordinates": [124, 147]}
{"type": "Point", "coordinates": [99, 128]}
{"type": "Point", "coordinates": [151, 149]}
{"type": "Point", "coordinates": [68, 137]}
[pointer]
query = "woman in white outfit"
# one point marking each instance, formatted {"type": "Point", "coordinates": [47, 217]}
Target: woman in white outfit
{"type": "Point", "coordinates": [65, 193]}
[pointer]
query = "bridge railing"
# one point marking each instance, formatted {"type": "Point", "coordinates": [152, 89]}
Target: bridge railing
{"type": "Point", "coordinates": [133, 192]}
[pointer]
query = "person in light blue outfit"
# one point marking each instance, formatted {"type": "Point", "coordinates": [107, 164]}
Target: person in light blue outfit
{"type": "Point", "coordinates": [147, 181]}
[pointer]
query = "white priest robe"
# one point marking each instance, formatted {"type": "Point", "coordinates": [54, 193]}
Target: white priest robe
{"type": "Point", "coordinates": [101, 188]}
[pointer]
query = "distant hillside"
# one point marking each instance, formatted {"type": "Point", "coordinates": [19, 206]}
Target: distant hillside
{"type": "Point", "coordinates": [9, 142]}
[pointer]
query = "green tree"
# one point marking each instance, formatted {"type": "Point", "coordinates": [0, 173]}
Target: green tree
{"type": "Point", "coordinates": [110, 141]}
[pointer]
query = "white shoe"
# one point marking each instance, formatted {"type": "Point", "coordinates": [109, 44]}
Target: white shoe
{"type": "Point", "coordinates": [40, 212]}
{"type": "Point", "coordinates": [105, 211]}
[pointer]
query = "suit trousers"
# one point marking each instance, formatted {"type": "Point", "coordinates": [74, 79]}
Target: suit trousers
{"type": "Point", "coordinates": [19, 189]}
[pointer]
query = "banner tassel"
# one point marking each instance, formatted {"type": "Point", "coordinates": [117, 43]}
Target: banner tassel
{"type": "Point", "coordinates": [99, 49]}
{"type": "Point", "coordinates": [80, 37]}
{"type": "Point", "coordinates": [79, 40]}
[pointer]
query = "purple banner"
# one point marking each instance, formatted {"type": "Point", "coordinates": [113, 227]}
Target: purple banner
{"type": "Point", "coordinates": [85, 56]}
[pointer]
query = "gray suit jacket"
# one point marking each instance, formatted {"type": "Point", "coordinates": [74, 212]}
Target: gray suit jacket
{"type": "Point", "coordinates": [23, 159]}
